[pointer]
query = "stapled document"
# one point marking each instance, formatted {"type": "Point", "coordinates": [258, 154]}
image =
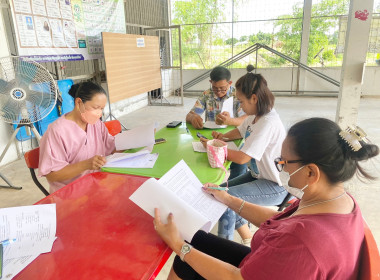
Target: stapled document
{"type": "Point", "coordinates": [179, 192]}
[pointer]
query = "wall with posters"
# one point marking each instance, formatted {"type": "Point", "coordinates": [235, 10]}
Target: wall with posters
{"type": "Point", "coordinates": [64, 30]}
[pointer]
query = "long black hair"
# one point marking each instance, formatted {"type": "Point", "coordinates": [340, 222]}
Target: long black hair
{"type": "Point", "coordinates": [85, 91]}
{"type": "Point", "coordinates": [317, 140]}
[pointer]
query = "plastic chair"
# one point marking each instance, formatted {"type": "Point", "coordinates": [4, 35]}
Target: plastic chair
{"type": "Point", "coordinates": [113, 126]}
{"type": "Point", "coordinates": [32, 158]}
{"type": "Point", "coordinates": [370, 259]}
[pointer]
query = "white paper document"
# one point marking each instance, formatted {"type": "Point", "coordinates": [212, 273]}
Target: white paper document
{"type": "Point", "coordinates": [213, 125]}
{"type": "Point", "coordinates": [198, 147]}
{"type": "Point", "coordinates": [11, 267]}
{"type": "Point", "coordinates": [143, 160]}
{"type": "Point", "coordinates": [33, 228]}
{"type": "Point", "coordinates": [180, 192]}
{"type": "Point", "coordinates": [228, 106]}
{"type": "Point", "coordinates": [124, 156]}
{"type": "Point", "coordinates": [137, 137]}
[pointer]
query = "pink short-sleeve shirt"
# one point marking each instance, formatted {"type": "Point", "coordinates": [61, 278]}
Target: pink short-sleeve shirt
{"type": "Point", "coordinates": [66, 143]}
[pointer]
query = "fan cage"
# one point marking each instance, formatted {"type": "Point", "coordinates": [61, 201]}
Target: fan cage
{"type": "Point", "coordinates": [28, 92]}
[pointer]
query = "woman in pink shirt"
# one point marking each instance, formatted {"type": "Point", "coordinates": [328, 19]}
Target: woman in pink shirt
{"type": "Point", "coordinates": [318, 237]}
{"type": "Point", "coordinates": [76, 143]}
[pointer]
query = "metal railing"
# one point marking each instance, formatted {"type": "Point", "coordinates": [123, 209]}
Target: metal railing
{"type": "Point", "coordinates": [255, 48]}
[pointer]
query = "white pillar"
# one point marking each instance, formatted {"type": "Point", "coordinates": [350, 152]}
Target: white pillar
{"type": "Point", "coordinates": [4, 47]}
{"type": "Point", "coordinates": [355, 51]}
{"type": "Point", "coordinates": [304, 51]}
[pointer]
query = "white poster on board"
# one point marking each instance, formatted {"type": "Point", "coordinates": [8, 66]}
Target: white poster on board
{"type": "Point", "coordinates": [63, 30]}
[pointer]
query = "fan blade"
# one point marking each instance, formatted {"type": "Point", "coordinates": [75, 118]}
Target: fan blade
{"type": "Point", "coordinates": [28, 92]}
{"type": "Point", "coordinates": [10, 109]}
{"type": "Point", "coordinates": [40, 99]}
{"type": "Point", "coordinates": [3, 85]}
{"type": "Point", "coordinates": [26, 72]}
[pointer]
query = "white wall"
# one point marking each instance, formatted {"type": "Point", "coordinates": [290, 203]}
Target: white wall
{"type": "Point", "coordinates": [281, 79]}
{"type": "Point", "coordinates": [5, 128]}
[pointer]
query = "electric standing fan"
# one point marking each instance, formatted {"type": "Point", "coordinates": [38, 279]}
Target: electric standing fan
{"type": "Point", "coordinates": [28, 93]}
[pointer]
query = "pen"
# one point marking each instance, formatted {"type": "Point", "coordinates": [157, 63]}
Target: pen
{"type": "Point", "coordinates": [201, 136]}
{"type": "Point", "coordinates": [187, 130]}
{"type": "Point", "coordinates": [7, 242]}
{"type": "Point", "coordinates": [218, 188]}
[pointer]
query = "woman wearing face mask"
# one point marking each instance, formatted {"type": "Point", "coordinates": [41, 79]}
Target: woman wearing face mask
{"type": "Point", "coordinates": [317, 237]}
{"type": "Point", "coordinates": [77, 142]}
{"type": "Point", "coordinates": [264, 133]}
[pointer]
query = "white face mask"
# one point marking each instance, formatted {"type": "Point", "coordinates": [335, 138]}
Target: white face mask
{"type": "Point", "coordinates": [285, 177]}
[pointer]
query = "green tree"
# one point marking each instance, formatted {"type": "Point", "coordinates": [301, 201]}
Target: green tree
{"type": "Point", "coordinates": [290, 27]}
{"type": "Point", "coordinates": [243, 38]}
{"type": "Point", "coordinates": [199, 37]}
{"type": "Point", "coordinates": [229, 41]}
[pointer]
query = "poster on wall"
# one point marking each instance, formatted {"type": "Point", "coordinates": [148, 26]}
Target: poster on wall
{"type": "Point", "coordinates": [64, 30]}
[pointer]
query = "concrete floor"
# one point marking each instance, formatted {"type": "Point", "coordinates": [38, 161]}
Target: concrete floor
{"type": "Point", "coordinates": [291, 110]}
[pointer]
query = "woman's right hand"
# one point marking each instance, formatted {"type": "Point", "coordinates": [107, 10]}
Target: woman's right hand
{"type": "Point", "coordinates": [217, 135]}
{"type": "Point", "coordinates": [96, 162]}
{"type": "Point", "coordinates": [220, 195]}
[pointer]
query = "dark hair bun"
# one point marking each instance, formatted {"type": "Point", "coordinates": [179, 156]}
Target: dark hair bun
{"type": "Point", "coordinates": [250, 68]}
{"type": "Point", "coordinates": [73, 90]}
{"type": "Point", "coordinates": [367, 151]}
{"type": "Point", "coordinates": [85, 90]}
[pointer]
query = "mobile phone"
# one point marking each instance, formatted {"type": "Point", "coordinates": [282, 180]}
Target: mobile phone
{"type": "Point", "coordinates": [173, 124]}
{"type": "Point", "coordinates": [160, 140]}
{"type": "Point", "coordinates": [201, 136]}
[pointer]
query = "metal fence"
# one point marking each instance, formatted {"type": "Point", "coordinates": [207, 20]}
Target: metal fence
{"type": "Point", "coordinates": [276, 23]}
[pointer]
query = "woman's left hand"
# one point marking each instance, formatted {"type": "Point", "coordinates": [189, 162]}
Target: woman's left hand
{"type": "Point", "coordinates": [204, 141]}
{"type": "Point", "coordinates": [168, 232]}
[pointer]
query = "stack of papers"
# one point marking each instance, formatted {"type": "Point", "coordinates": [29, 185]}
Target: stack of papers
{"type": "Point", "coordinates": [27, 232]}
{"type": "Point", "coordinates": [141, 159]}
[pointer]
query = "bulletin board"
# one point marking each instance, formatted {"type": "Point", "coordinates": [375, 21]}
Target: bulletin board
{"type": "Point", "coordinates": [64, 30]}
{"type": "Point", "coordinates": [132, 64]}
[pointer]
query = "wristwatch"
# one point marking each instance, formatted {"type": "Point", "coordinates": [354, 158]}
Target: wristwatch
{"type": "Point", "coordinates": [186, 248]}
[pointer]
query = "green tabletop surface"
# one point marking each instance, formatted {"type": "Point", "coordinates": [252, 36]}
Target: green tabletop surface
{"type": "Point", "coordinates": [179, 146]}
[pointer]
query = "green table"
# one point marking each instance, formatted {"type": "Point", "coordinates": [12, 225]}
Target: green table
{"type": "Point", "coordinates": [179, 146]}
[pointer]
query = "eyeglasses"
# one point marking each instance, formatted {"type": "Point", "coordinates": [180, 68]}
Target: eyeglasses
{"type": "Point", "coordinates": [280, 163]}
{"type": "Point", "coordinates": [222, 89]}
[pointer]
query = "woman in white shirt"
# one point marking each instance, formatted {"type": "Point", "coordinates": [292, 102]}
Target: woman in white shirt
{"type": "Point", "coordinates": [263, 144]}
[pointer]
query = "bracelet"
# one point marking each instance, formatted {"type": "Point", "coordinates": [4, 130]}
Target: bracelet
{"type": "Point", "coordinates": [241, 207]}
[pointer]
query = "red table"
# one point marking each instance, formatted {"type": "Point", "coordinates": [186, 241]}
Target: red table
{"type": "Point", "coordinates": [101, 233]}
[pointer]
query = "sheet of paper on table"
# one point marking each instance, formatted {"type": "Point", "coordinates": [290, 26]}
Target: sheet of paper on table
{"type": "Point", "coordinates": [143, 159]}
{"type": "Point", "coordinates": [198, 147]}
{"type": "Point", "coordinates": [33, 228]}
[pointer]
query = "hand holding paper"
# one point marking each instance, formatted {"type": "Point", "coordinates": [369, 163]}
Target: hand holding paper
{"type": "Point", "coordinates": [226, 113]}
{"type": "Point", "coordinates": [180, 192]}
{"type": "Point", "coordinates": [135, 138]}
